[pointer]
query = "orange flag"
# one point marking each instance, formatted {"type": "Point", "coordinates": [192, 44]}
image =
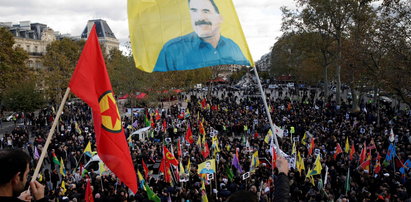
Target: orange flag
{"type": "Point", "coordinates": [312, 145]}
{"type": "Point", "coordinates": [363, 154]}
{"type": "Point", "coordinates": [91, 83]}
{"type": "Point", "coordinates": [158, 117]}
{"type": "Point", "coordinates": [201, 128]}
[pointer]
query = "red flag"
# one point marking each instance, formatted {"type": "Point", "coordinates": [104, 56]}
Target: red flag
{"type": "Point", "coordinates": [338, 150]}
{"type": "Point", "coordinates": [169, 157]}
{"type": "Point", "coordinates": [206, 150]}
{"type": "Point", "coordinates": [189, 135]}
{"type": "Point", "coordinates": [352, 151]}
{"type": "Point", "coordinates": [179, 152]}
{"type": "Point", "coordinates": [89, 192]}
{"type": "Point", "coordinates": [152, 124]}
{"type": "Point", "coordinates": [312, 145]}
{"type": "Point", "coordinates": [164, 125]}
{"type": "Point", "coordinates": [165, 166]}
{"type": "Point", "coordinates": [91, 83]}
{"type": "Point", "coordinates": [363, 153]}
{"type": "Point", "coordinates": [146, 171]}
{"type": "Point", "coordinates": [165, 169]}
{"type": "Point", "coordinates": [181, 115]}
{"type": "Point", "coordinates": [273, 157]}
{"type": "Point", "coordinates": [204, 103]}
{"type": "Point", "coordinates": [158, 117]}
{"type": "Point", "coordinates": [377, 167]}
{"type": "Point", "coordinates": [167, 175]}
{"type": "Point", "coordinates": [366, 164]}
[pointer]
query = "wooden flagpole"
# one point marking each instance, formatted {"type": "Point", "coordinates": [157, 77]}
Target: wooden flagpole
{"type": "Point", "coordinates": [50, 135]}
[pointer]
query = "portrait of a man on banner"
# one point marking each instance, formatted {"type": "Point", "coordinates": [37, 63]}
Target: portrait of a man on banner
{"type": "Point", "coordinates": [186, 34]}
{"type": "Point", "coordinates": [207, 167]}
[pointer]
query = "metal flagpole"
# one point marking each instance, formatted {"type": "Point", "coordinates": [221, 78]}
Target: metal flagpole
{"type": "Point", "coordinates": [266, 109]}
{"type": "Point", "coordinates": [102, 186]}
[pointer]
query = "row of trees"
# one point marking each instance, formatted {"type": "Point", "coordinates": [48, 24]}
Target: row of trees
{"type": "Point", "coordinates": [18, 90]}
{"type": "Point", "coordinates": [24, 89]}
{"type": "Point", "coordinates": [362, 43]}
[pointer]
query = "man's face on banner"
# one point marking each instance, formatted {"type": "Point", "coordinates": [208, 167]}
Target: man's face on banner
{"type": "Point", "coordinates": [204, 18]}
{"type": "Point", "coordinates": [208, 165]}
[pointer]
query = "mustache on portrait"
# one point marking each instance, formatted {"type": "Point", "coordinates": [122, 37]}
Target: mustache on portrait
{"type": "Point", "coordinates": [202, 22]}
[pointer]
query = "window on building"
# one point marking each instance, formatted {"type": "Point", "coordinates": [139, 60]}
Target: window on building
{"type": "Point", "coordinates": [36, 49]}
{"type": "Point", "coordinates": [38, 65]}
{"type": "Point", "coordinates": [28, 48]}
{"type": "Point", "coordinates": [31, 63]}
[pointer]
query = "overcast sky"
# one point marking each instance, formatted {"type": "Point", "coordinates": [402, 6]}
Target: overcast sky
{"type": "Point", "coordinates": [260, 19]}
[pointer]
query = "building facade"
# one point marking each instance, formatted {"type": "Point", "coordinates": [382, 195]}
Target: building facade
{"type": "Point", "coordinates": [105, 36]}
{"type": "Point", "coordinates": [264, 64]}
{"type": "Point", "coordinates": [33, 38]}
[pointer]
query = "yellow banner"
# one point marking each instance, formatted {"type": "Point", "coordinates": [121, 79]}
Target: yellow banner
{"type": "Point", "coordinates": [170, 35]}
{"type": "Point", "coordinates": [207, 167]}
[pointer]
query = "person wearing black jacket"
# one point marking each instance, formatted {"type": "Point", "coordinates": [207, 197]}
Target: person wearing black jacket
{"type": "Point", "coordinates": [13, 178]}
{"type": "Point", "coordinates": [282, 184]}
{"type": "Point", "coordinates": [281, 190]}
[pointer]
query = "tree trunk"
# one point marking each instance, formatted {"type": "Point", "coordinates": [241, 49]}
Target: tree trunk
{"type": "Point", "coordinates": [325, 83]}
{"type": "Point", "coordinates": [376, 96]}
{"type": "Point", "coordinates": [355, 100]}
{"type": "Point", "coordinates": [338, 71]}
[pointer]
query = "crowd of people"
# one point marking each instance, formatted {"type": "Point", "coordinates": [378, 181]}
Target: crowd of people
{"type": "Point", "coordinates": [314, 125]}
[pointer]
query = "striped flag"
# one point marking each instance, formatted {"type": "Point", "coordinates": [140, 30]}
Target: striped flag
{"type": "Point", "coordinates": [55, 160]}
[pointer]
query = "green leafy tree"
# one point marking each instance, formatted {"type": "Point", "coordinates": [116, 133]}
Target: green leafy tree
{"type": "Point", "coordinates": [23, 97]}
{"type": "Point", "coordinates": [301, 55]}
{"type": "Point", "coordinates": [394, 37]}
{"type": "Point", "coordinates": [12, 62]}
{"type": "Point", "coordinates": [60, 60]}
{"type": "Point", "coordinates": [329, 17]}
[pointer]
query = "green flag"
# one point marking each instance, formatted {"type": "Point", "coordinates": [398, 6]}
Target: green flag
{"type": "Point", "coordinates": [151, 195]}
{"type": "Point", "coordinates": [347, 182]}
{"type": "Point", "coordinates": [147, 121]}
{"type": "Point", "coordinates": [229, 173]}
{"type": "Point", "coordinates": [55, 160]}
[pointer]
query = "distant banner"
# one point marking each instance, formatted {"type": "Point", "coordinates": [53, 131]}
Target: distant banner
{"type": "Point", "coordinates": [207, 167]}
{"type": "Point", "coordinates": [171, 35]}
